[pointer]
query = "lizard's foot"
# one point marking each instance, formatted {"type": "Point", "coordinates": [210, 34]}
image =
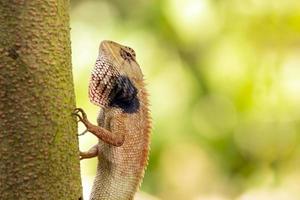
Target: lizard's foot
{"type": "Point", "coordinates": [79, 112]}
{"type": "Point", "coordinates": [92, 152]}
{"type": "Point", "coordinates": [81, 117]}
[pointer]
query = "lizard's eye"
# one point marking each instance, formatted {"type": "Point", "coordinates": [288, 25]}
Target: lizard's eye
{"type": "Point", "coordinates": [126, 55]}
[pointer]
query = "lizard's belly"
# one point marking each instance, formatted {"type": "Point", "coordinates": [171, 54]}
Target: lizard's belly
{"type": "Point", "coordinates": [120, 170]}
{"type": "Point", "coordinates": [130, 157]}
{"type": "Point", "coordinates": [127, 159]}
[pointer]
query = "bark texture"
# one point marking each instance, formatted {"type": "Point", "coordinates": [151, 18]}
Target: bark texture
{"type": "Point", "coordinates": [38, 142]}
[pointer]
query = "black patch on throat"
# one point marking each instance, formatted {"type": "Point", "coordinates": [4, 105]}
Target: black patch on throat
{"type": "Point", "coordinates": [124, 95]}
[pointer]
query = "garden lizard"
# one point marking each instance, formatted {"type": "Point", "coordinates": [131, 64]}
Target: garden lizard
{"type": "Point", "coordinates": [124, 124]}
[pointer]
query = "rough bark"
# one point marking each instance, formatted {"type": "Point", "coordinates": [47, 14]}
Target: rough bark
{"type": "Point", "coordinates": [38, 142]}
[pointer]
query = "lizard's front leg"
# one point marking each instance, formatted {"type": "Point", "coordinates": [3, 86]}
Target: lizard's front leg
{"type": "Point", "coordinates": [103, 134]}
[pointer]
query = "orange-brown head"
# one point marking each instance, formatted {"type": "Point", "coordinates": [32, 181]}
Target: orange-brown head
{"type": "Point", "coordinates": [116, 77]}
{"type": "Point", "coordinates": [123, 59]}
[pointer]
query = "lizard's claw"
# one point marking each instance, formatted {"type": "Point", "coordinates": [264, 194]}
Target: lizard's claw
{"type": "Point", "coordinates": [84, 132]}
{"type": "Point", "coordinates": [81, 155]}
{"type": "Point", "coordinates": [79, 112]}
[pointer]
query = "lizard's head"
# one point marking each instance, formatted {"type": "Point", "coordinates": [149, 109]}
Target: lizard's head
{"type": "Point", "coordinates": [122, 58]}
{"type": "Point", "coordinates": [116, 77]}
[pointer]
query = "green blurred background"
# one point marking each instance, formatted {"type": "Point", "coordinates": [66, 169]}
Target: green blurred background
{"type": "Point", "coordinates": [224, 79]}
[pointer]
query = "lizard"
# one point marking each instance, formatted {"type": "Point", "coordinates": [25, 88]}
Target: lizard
{"type": "Point", "coordinates": [124, 123]}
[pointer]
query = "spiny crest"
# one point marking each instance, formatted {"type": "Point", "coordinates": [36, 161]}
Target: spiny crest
{"type": "Point", "coordinates": [148, 127]}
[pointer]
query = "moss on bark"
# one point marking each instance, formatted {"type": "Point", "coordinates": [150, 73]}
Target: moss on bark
{"type": "Point", "coordinates": [38, 142]}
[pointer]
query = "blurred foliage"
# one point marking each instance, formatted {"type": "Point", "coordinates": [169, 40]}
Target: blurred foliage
{"type": "Point", "coordinates": [224, 79]}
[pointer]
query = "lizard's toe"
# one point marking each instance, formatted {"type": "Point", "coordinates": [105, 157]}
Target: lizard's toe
{"type": "Point", "coordinates": [80, 111]}
{"type": "Point", "coordinates": [84, 132]}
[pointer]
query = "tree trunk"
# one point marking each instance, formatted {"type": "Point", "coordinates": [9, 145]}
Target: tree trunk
{"type": "Point", "coordinates": [38, 142]}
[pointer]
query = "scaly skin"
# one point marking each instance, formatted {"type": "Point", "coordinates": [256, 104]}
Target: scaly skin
{"type": "Point", "coordinates": [124, 125]}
